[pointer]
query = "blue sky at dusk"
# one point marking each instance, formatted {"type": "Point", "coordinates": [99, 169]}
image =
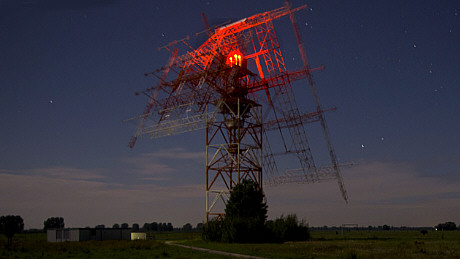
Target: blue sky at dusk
{"type": "Point", "coordinates": [69, 71]}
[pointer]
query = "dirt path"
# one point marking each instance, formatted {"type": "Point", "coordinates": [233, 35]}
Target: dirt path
{"type": "Point", "coordinates": [213, 251]}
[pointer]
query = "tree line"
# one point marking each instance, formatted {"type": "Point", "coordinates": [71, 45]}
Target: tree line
{"type": "Point", "coordinates": [447, 226]}
{"type": "Point", "coordinates": [245, 221]}
{"type": "Point", "coordinates": [154, 226]}
{"type": "Point", "coordinates": [147, 227]}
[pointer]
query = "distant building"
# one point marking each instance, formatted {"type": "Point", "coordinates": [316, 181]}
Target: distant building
{"type": "Point", "coordinates": [138, 236]}
{"type": "Point", "coordinates": [85, 234]}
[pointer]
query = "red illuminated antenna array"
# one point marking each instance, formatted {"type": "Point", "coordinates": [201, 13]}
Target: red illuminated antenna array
{"type": "Point", "coordinates": [237, 87]}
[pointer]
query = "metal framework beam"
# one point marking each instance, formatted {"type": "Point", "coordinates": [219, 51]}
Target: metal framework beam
{"type": "Point", "coordinates": [233, 150]}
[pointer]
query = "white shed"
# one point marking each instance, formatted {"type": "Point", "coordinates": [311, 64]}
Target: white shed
{"type": "Point", "coordinates": [85, 234]}
{"type": "Point", "coordinates": [66, 234]}
{"type": "Point", "coordinates": [138, 236]}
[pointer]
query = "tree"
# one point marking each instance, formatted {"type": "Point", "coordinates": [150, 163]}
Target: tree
{"type": "Point", "coordinates": [447, 226]}
{"type": "Point", "coordinates": [200, 226]}
{"type": "Point", "coordinates": [136, 227]}
{"type": "Point", "coordinates": [54, 222]}
{"type": "Point", "coordinates": [187, 227]}
{"type": "Point", "coordinates": [245, 214]}
{"type": "Point", "coordinates": [124, 225]}
{"type": "Point", "coordinates": [116, 225]}
{"type": "Point", "coordinates": [10, 225]}
{"type": "Point", "coordinates": [147, 227]}
{"type": "Point", "coordinates": [169, 227]}
{"type": "Point", "coordinates": [154, 226]}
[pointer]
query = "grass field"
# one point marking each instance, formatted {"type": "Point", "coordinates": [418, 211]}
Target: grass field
{"type": "Point", "coordinates": [36, 246]}
{"type": "Point", "coordinates": [354, 244]}
{"type": "Point", "coordinates": [324, 244]}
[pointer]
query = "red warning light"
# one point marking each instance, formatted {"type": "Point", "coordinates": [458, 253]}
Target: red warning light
{"type": "Point", "coordinates": [235, 58]}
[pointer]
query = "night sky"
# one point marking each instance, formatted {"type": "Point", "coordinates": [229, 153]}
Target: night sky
{"type": "Point", "coordinates": [69, 71]}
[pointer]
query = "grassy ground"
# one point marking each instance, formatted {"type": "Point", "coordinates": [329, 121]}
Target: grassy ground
{"type": "Point", "coordinates": [353, 244]}
{"type": "Point", "coordinates": [36, 246]}
{"type": "Point", "coordinates": [324, 244]}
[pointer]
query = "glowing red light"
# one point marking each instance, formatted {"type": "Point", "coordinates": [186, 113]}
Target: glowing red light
{"type": "Point", "coordinates": [235, 58]}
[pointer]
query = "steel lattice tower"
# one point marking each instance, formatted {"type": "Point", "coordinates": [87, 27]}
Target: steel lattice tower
{"type": "Point", "coordinates": [223, 86]}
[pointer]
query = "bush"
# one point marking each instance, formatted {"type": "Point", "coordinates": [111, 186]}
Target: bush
{"type": "Point", "coordinates": [213, 230]}
{"type": "Point", "coordinates": [244, 221]}
{"type": "Point", "coordinates": [283, 229]}
{"type": "Point", "coordinates": [286, 229]}
{"type": "Point", "coordinates": [243, 230]}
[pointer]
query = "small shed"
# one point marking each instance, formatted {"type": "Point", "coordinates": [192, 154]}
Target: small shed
{"type": "Point", "coordinates": [85, 234]}
{"type": "Point", "coordinates": [138, 236]}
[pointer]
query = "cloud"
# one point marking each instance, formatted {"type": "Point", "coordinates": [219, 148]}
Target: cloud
{"type": "Point", "coordinates": [155, 179]}
{"type": "Point", "coordinates": [67, 173]}
{"type": "Point", "coordinates": [162, 162]}
{"type": "Point", "coordinates": [137, 189]}
{"type": "Point", "coordinates": [86, 202]}
{"type": "Point", "coordinates": [398, 183]}
{"type": "Point", "coordinates": [179, 153]}
{"type": "Point", "coordinates": [146, 165]}
{"type": "Point", "coordinates": [379, 193]}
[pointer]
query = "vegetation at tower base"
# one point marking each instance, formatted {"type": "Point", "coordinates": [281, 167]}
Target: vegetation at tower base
{"type": "Point", "coordinates": [10, 225]}
{"type": "Point", "coordinates": [213, 230]}
{"type": "Point", "coordinates": [245, 214]}
{"type": "Point", "coordinates": [287, 229]}
{"type": "Point", "coordinates": [245, 220]}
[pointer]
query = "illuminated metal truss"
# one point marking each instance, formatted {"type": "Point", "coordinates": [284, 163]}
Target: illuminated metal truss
{"type": "Point", "coordinates": [222, 86]}
{"type": "Point", "coordinates": [233, 149]}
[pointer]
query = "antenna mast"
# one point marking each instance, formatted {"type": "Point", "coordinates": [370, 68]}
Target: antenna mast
{"type": "Point", "coordinates": [237, 87]}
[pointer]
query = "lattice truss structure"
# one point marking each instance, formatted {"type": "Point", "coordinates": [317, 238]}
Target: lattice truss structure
{"type": "Point", "coordinates": [236, 86]}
